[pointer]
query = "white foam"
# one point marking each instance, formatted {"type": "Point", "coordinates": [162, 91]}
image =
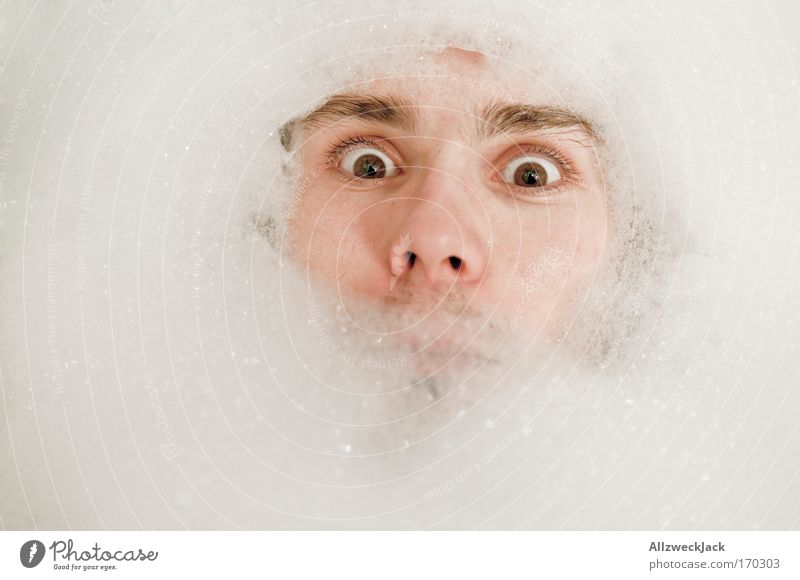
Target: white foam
{"type": "Point", "coordinates": [162, 367]}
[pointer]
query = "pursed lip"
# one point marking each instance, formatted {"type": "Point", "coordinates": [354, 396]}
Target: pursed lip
{"type": "Point", "coordinates": [463, 358]}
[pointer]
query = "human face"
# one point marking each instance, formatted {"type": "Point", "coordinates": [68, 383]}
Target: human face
{"type": "Point", "coordinates": [426, 192]}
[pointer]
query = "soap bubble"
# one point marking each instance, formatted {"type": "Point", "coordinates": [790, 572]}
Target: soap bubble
{"type": "Point", "coordinates": [165, 362]}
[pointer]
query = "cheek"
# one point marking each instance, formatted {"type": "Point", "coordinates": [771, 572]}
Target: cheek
{"type": "Point", "coordinates": [546, 258]}
{"type": "Point", "coordinates": [315, 227]}
{"type": "Point", "coordinates": [327, 233]}
{"type": "Point", "coordinates": [594, 234]}
{"type": "Point", "coordinates": [552, 249]}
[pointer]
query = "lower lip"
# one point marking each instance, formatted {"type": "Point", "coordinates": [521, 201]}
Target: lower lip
{"type": "Point", "coordinates": [449, 361]}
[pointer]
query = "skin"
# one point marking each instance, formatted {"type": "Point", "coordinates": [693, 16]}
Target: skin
{"type": "Point", "coordinates": [447, 231]}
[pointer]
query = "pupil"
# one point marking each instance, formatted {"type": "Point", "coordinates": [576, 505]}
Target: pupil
{"type": "Point", "coordinates": [370, 167]}
{"type": "Point", "coordinates": [530, 174]}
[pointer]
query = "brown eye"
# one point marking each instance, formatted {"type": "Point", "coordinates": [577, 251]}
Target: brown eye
{"type": "Point", "coordinates": [531, 171]}
{"type": "Point", "coordinates": [369, 167]}
{"type": "Point", "coordinates": [530, 175]}
{"type": "Point", "coordinates": [368, 163]}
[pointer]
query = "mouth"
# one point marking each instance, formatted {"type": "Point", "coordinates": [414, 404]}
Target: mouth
{"type": "Point", "coordinates": [451, 340]}
{"type": "Point", "coordinates": [455, 344]}
{"type": "Point", "coordinates": [450, 355]}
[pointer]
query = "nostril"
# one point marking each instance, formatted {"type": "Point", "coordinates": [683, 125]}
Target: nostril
{"type": "Point", "coordinates": [411, 258]}
{"type": "Point", "coordinates": [455, 262]}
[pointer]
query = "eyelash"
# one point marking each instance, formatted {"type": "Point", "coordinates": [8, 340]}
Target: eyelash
{"type": "Point", "coordinates": [554, 154]}
{"type": "Point", "coordinates": [569, 175]}
{"type": "Point", "coordinates": [344, 146]}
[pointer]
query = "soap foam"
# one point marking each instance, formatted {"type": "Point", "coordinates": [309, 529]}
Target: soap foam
{"type": "Point", "coordinates": [165, 365]}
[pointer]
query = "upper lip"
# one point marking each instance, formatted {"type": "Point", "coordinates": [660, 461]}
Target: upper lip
{"type": "Point", "coordinates": [456, 351]}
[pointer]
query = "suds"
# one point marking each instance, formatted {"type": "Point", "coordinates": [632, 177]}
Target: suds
{"type": "Point", "coordinates": [164, 365]}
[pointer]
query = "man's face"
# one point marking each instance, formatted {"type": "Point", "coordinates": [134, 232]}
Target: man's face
{"type": "Point", "coordinates": [451, 195]}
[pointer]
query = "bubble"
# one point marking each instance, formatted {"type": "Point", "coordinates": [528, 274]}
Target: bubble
{"type": "Point", "coordinates": [166, 362]}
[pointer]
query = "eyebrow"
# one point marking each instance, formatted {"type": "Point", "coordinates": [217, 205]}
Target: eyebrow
{"type": "Point", "coordinates": [511, 118]}
{"type": "Point", "coordinates": [393, 111]}
{"type": "Point", "coordinates": [387, 110]}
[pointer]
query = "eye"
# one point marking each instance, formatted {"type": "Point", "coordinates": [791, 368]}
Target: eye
{"type": "Point", "coordinates": [531, 171]}
{"type": "Point", "coordinates": [368, 163]}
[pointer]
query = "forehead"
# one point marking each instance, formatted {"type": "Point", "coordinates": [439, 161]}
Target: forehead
{"type": "Point", "coordinates": [453, 104]}
{"type": "Point", "coordinates": [446, 93]}
{"type": "Point", "coordinates": [456, 79]}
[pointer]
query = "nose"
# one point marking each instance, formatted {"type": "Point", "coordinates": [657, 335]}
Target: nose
{"type": "Point", "coordinates": [440, 239]}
